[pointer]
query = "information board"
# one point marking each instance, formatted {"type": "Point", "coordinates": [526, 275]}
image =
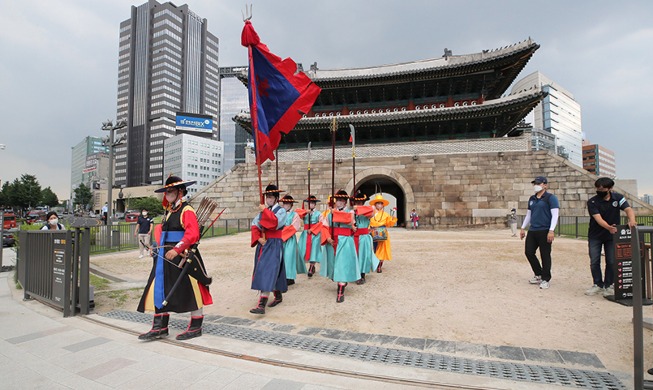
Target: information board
{"type": "Point", "coordinates": [623, 265]}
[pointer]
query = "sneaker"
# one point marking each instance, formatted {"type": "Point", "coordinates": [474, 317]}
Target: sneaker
{"type": "Point", "coordinates": [140, 257]}
{"type": "Point", "coordinates": [544, 284]}
{"type": "Point", "coordinates": [535, 280]}
{"type": "Point", "coordinates": [593, 290]}
{"type": "Point", "coordinates": [608, 291]}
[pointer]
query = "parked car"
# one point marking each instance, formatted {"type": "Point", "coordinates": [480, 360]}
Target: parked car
{"type": "Point", "coordinates": [119, 215]}
{"type": "Point", "coordinates": [9, 220]}
{"type": "Point", "coordinates": [132, 216]}
{"type": "Point", "coordinates": [35, 216]}
{"type": "Point", "coordinates": [8, 239]}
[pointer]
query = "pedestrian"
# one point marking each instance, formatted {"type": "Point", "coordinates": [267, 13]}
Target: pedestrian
{"type": "Point", "coordinates": [292, 263]}
{"type": "Point", "coordinates": [362, 239]}
{"type": "Point", "coordinates": [512, 221]}
{"type": "Point", "coordinates": [105, 212]}
{"type": "Point", "coordinates": [269, 273]}
{"type": "Point", "coordinates": [311, 248]}
{"type": "Point", "coordinates": [341, 260]}
{"type": "Point", "coordinates": [542, 215]}
{"type": "Point", "coordinates": [180, 231]}
{"type": "Point", "coordinates": [414, 219]}
{"type": "Point", "coordinates": [52, 222]}
{"type": "Point", "coordinates": [379, 225]}
{"type": "Point", "coordinates": [143, 231]}
{"type": "Point", "coordinates": [604, 209]}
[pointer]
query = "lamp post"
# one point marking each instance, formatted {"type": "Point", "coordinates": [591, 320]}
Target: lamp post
{"type": "Point", "coordinates": [112, 143]}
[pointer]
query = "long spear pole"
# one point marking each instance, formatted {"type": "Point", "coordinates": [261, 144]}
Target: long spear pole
{"type": "Point", "coordinates": [276, 166]}
{"type": "Point", "coordinates": [332, 201]}
{"type": "Point", "coordinates": [254, 116]}
{"type": "Point", "coordinates": [309, 184]}
{"type": "Point", "coordinates": [353, 156]}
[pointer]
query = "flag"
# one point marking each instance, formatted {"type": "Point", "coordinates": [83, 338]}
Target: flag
{"type": "Point", "coordinates": [278, 94]}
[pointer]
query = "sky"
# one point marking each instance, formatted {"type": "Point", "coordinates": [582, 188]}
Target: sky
{"type": "Point", "coordinates": [59, 61]}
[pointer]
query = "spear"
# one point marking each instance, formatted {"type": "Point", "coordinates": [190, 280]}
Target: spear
{"type": "Point", "coordinates": [353, 154]}
{"type": "Point", "coordinates": [309, 181]}
{"type": "Point", "coordinates": [334, 127]}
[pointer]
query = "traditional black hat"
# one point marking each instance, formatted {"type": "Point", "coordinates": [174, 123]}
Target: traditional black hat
{"type": "Point", "coordinates": [287, 199]}
{"type": "Point", "coordinates": [272, 189]}
{"type": "Point", "coordinates": [360, 196]}
{"type": "Point", "coordinates": [311, 198]}
{"type": "Point", "coordinates": [341, 194]}
{"type": "Point", "coordinates": [175, 181]}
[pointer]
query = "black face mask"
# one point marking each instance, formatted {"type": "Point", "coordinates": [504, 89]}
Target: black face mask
{"type": "Point", "coordinates": [602, 194]}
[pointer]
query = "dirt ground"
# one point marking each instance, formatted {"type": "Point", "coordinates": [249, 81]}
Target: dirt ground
{"type": "Point", "coordinates": [466, 285]}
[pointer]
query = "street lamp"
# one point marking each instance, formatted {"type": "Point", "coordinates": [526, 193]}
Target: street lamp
{"type": "Point", "coordinates": [112, 143]}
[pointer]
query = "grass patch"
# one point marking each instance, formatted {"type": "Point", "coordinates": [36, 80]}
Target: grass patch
{"type": "Point", "coordinates": [99, 283]}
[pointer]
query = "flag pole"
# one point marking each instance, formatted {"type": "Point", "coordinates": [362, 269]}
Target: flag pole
{"type": "Point", "coordinates": [276, 166]}
{"type": "Point", "coordinates": [309, 186]}
{"type": "Point", "coordinates": [353, 156]}
{"type": "Point", "coordinates": [254, 116]}
{"type": "Point", "coordinates": [332, 201]}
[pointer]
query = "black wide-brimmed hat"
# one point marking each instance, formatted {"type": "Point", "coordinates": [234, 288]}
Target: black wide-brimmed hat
{"type": "Point", "coordinates": [312, 198]}
{"type": "Point", "coordinates": [287, 199]}
{"type": "Point", "coordinates": [341, 194]}
{"type": "Point", "coordinates": [175, 181]}
{"type": "Point", "coordinates": [360, 197]}
{"type": "Point", "coordinates": [272, 189]}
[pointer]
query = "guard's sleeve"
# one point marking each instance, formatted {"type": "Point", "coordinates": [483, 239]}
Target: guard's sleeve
{"type": "Point", "coordinates": [301, 212]}
{"type": "Point", "coordinates": [366, 211]}
{"type": "Point", "coordinates": [191, 230]}
{"type": "Point", "coordinates": [256, 234]}
{"type": "Point", "coordinates": [326, 234]}
{"type": "Point", "coordinates": [288, 232]}
{"type": "Point", "coordinates": [269, 220]}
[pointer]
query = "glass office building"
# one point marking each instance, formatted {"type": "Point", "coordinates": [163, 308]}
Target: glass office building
{"type": "Point", "coordinates": [233, 99]}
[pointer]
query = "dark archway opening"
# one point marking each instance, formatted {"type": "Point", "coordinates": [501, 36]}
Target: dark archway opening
{"type": "Point", "coordinates": [372, 185]}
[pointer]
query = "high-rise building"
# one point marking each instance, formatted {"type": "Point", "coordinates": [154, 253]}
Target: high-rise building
{"type": "Point", "coordinates": [558, 113]}
{"type": "Point", "coordinates": [648, 198]}
{"type": "Point", "coordinates": [599, 160]}
{"type": "Point", "coordinates": [234, 98]}
{"type": "Point", "coordinates": [168, 63]}
{"type": "Point", "coordinates": [194, 158]}
{"type": "Point", "coordinates": [83, 167]}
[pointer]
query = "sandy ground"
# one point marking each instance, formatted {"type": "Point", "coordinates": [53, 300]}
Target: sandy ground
{"type": "Point", "coordinates": [467, 285]}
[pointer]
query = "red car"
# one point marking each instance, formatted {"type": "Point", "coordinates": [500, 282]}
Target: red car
{"type": "Point", "coordinates": [9, 221]}
{"type": "Point", "coordinates": [132, 216]}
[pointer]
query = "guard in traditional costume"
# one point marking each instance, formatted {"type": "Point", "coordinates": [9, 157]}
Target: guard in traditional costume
{"type": "Point", "coordinates": [171, 287]}
{"type": "Point", "coordinates": [341, 259]}
{"type": "Point", "coordinates": [267, 230]}
{"type": "Point", "coordinates": [362, 239]}
{"type": "Point", "coordinates": [293, 264]}
{"type": "Point", "coordinates": [311, 240]}
{"type": "Point", "coordinates": [380, 222]}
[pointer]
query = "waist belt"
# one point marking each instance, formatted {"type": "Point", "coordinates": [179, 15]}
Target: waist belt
{"type": "Point", "coordinates": [361, 231]}
{"type": "Point", "coordinates": [339, 231]}
{"type": "Point", "coordinates": [273, 234]}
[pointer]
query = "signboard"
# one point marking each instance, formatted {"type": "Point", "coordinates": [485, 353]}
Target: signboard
{"type": "Point", "coordinates": [195, 123]}
{"type": "Point", "coordinates": [623, 266]}
{"type": "Point", "coordinates": [87, 170]}
{"type": "Point", "coordinates": [58, 272]}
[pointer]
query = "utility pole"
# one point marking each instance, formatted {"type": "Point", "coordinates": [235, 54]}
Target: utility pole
{"type": "Point", "coordinates": [112, 143]}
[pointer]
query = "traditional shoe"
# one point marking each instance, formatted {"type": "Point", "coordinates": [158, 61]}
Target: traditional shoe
{"type": "Point", "coordinates": [278, 298]}
{"type": "Point", "coordinates": [360, 281]}
{"type": "Point", "coordinates": [260, 308]}
{"type": "Point", "coordinates": [290, 282]}
{"type": "Point", "coordinates": [159, 328]}
{"type": "Point", "coordinates": [194, 329]}
{"type": "Point", "coordinates": [311, 270]}
{"type": "Point", "coordinates": [341, 293]}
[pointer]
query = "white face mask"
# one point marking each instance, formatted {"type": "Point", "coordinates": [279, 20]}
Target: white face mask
{"type": "Point", "coordinates": [54, 221]}
{"type": "Point", "coordinates": [171, 198]}
{"type": "Point", "coordinates": [537, 188]}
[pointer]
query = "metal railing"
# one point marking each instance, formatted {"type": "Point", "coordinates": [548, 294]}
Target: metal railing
{"type": "Point", "coordinates": [53, 267]}
{"type": "Point", "coordinates": [638, 320]}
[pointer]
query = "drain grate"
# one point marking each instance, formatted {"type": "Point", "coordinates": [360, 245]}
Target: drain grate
{"type": "Point", "coordinates": [586, 379]}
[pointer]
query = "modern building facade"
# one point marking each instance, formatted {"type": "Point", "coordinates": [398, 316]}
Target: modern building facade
{"type": "Point", "coordinates": [81, 170]}
{"type": "Point", "coordinates": [168, 63]}
{"type": "Point", "coordinates": [647, 198]}
{"type": "Point", "coordinates": [558, 114]}
{"type": "Point", "coordinates": [233, 100]}
{"type": "Point", "coordinates": [599, 161]}
{"type": "Point", "coordinates": [194, 158]}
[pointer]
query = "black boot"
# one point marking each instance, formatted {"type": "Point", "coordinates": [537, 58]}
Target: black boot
{"type": "Point", "coordinates": [341, 293]}
{"type": "Point", "coordinates": [159, 328]}
{"type": "Point", "coordinates": [361, 280]}
{"type": "Point", "coordinates": [194, 329]}
{"type": "Point", "coordinates": [290, 282]}
{"type": "Point", "coordinates": [311, 270]}
{"type": "Point", "coordinates": [260, 309]}
{"type": "Point", "coordinates": [278, 298]}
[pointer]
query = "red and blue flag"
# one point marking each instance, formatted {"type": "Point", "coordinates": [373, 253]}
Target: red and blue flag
{"type": "Point", "coordinates": [279, 95]}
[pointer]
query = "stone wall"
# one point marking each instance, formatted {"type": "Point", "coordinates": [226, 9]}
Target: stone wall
{"type": "Point", "coordinates": [472, 189]}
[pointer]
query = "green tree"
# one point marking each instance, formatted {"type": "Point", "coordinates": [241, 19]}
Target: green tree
{"type": "Point", "coordinates": [4, 194]}
{"type": "Point", "coordinates": [152, 204]}
{"type": "Point", "coordinates": [49, 198]}
{"type": "Point", "coordinates": [83, 196]}
{"type": "Point", "coordinates": [26, 192]}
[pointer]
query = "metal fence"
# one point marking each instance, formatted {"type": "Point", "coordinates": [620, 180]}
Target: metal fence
{"type": "Point", "coordinates": [638, 321]}
{"type": "Point", "coordinates": [578, 226]}
{"type": "Point", "coordinates": [122, 235]}
{"type": "Point", "coordinates": [53, 267]}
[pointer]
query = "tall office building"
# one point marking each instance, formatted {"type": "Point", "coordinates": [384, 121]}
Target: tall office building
{"type": "Point", "coordinates": [168, 63]}
{"type": "Point", "coordinates": [194, 158]}
{"type": "Point", "coordinates": [234, 98]}
{"type": "Point", "coordinates": [558, 114]}
{"type": "Point", "coordinates": [599, 160]}
{"type": "Point", "coordinates": [81, 170]}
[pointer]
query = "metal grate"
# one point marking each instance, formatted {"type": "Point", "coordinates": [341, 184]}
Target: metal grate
{"type": "Point", "coordinates": [586, 379]}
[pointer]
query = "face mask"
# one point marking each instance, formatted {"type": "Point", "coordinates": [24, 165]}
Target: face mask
{"type": "Point", "coordinates": [537, 188]}
{"type": "Point", "coordinates": [171, 198]}
{"type": "Point", "coordinates": [602, 194]}
{"type": "Point", "coordinates": [54, 221]}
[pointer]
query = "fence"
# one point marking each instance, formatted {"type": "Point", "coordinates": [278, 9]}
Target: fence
{"type": "Point", "coordinates": [578, 226]}
{"type": "Point", "coordinates": [640, 276]}
{"type": "Point", "coordinates": [53, 267]}
{"type": "Point", "coordinates": [122, 235]}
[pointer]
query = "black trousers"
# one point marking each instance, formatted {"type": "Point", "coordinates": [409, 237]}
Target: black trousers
{"type": "Point", "coordinates": [534, 240]}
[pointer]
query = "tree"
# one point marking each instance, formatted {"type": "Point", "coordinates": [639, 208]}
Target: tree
{"type": "Point", "coordinates": [49, 198]}
{"type": "Point", "coordinates": [151, 204]}
{"type": "Point", "coordinates": [26, 192]}
{"type": "Point", "coordinates": [4, 194]}
{"type": "Point", "coordinates": [83, 196]}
